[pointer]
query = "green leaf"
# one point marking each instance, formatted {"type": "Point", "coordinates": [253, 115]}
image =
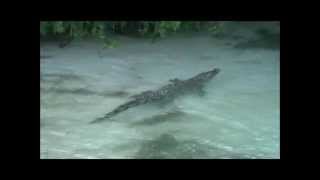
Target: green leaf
{"type": "Point", "coordinates": [59, 28]}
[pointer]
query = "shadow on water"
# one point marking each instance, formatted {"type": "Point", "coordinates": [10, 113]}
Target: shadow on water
{"type": "Point", "coordinates": [58, 79]}
{"type": "Point", "coordinates": [162, 147]}
{"type": "Point", "coordinates": [166, 146]}
{"type": "Point", "coordinates": [161, 118]}
{"type": "Point", "coordinates": [266, 40]}
{"type": "Point", "coordinates": [85, 92]}
{"type": "Point", "coordinates": [48, 76]}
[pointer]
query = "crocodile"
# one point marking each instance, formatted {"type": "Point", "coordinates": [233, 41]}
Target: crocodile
{"type": "Point", "coordinates": [166, 94]}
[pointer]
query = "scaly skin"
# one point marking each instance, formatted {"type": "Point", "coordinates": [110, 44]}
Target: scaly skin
{"type": "Point", "coordinates": [169, 92]}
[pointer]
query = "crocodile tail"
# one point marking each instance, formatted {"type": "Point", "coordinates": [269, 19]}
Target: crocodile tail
{"type": "Point", "coordinates": [105, 117]}
{"type": "Point", "coordinates": [97, 120]}
{"type": "Point", "coordinates": [116, 111]}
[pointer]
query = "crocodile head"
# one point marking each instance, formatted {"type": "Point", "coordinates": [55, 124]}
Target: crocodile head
{"type": "Point", "coordinates": [206, 76]}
